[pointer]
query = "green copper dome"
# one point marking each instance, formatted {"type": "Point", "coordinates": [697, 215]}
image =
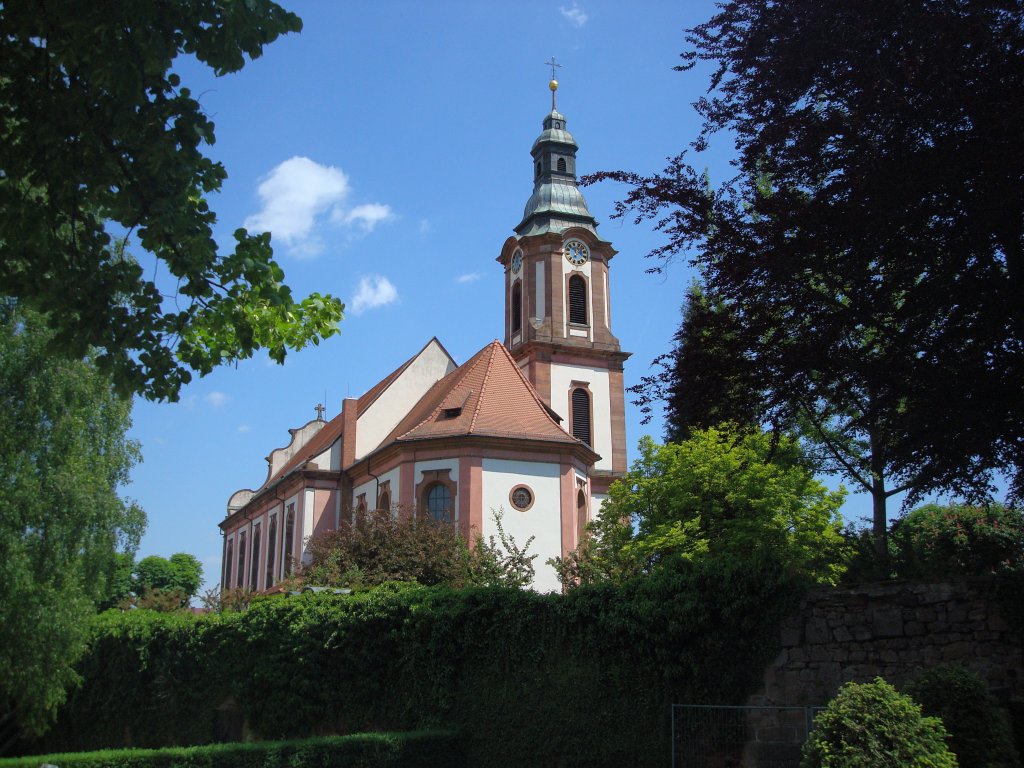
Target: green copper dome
{"type": "Point", "coordinates": [556, 203]}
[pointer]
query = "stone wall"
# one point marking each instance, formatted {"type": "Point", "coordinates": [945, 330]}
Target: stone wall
{"type": "Point", "coordinates": [891, 630]}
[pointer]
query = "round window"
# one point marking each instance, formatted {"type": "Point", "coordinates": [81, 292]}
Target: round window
{"type": "Point", "coordinates": [521, 498]}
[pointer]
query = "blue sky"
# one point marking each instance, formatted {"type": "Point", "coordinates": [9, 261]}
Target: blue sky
{"type": "Point", "coordinates": [387, 149]}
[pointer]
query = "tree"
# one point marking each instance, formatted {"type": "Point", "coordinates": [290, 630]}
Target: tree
{"type": "Point", "coordinates": [64, 453]}
{"type": "Point", "coordinates": [979, 730]}
{"type": "Point", "coordinates": [871, 244]}
{"type": "Point", "coordinates": [872, 725]}
{"type": "Point", "coordinates": [939, 541]}
{"type": "Point", "coordinates": [172, 582]}
{"type": "Point", "coordinates": [721, 494]}
{"type": "Point", "coordinates": [100, 148]}
{"type": "Point", "coordinates": [378, 547]}
{"type": "Point", "coordinates": [706, 379]}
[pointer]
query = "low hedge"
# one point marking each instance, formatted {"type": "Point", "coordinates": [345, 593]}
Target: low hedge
{"type": "Point", "coordinates": [416, 749]}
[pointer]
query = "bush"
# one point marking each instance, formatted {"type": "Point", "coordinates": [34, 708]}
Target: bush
{"type": "Point", "coordinates": [872, 725]}
{"type": "Point", "coordinates": [440, 749]}
{"type": "Point", "coordinates": [503, 665]}
{"type": "Point", "coordinates": [937, 541]}
{"type": "Point", "coordinates": [979, 730]}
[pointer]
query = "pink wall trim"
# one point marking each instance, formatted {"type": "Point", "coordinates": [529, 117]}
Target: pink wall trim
{"type": "Point", "coordinates": [471, 496]}
{"type": "Point", "coordinates": [568, 509]}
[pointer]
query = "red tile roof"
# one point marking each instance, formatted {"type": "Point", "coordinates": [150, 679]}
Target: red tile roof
{"type": "Point", "coordinates": [487, 395]}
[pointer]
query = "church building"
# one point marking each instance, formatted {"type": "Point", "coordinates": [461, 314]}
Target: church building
{"type": "Point", "coordinates": [533, 425]}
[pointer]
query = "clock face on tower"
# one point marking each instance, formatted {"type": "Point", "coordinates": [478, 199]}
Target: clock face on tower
{"type": "Point", "coordinates": [576, 252]}
{"type": "Point", "coordinates": [517, 262]}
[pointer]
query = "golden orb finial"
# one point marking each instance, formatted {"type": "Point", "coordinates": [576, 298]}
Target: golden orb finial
{"type": "Point", "coordinates": [553, 85]}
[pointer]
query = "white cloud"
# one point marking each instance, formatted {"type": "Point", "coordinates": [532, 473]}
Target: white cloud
{"type": "Point", "coordinates": [374, 291]}
{"type": "Point", "coordinates": [300, 197]}
{"type": "Point", "coordinates": [243, 428]}
{"type": "Point", "coordinates": [575, 15]}
{"type": "Point", "coordinates": [468, 278]}
{"type": "Point", "coordinates": [424, 227]}
{"type": "Point", "coordinates": [367, 216]}
{"type": "Point", "coordinates": [216, 399]}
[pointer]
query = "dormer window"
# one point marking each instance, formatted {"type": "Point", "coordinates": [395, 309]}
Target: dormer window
{"type": "Point", "coordinates": [451, 413]}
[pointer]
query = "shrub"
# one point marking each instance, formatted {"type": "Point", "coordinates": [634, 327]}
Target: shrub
{"type": "Point", "coordinates": [937, 541]}
{"type": "Point", "coordinates": [437, 749]}
{"type": "Point", "coordinates": [872, 725]}
{"type": "Point", "coordinates": [979, 730]}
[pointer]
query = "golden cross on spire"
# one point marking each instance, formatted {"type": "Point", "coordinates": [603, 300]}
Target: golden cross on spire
{"type": "Point", "coordinates": [553, 85]}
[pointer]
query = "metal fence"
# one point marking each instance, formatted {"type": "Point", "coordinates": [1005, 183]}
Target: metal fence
{"type": "Point", "coordinates": [705, 736]}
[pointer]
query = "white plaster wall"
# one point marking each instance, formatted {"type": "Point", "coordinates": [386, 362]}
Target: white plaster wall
{"type": "Point", "coordinates": [449, 464]}
{"type": "Point", "coordinates": [279, 456]}
{"type": "Point", "coordinates": [597, 501]}
{"type": "Point", "coordinates": [328, 459]}
{"type": "Point", "coordinates": [308, 510]}
{"type": "Point", "coordinates": [431, 365]}
{"type": "Point", "coordinates": [600, 406]}
{"type": "Point", "coordinates": [542, 520]}
{"type": "Point", "coordinates": [370, 489]}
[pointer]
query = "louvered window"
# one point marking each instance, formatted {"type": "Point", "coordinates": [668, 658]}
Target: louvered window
{"type": "Point", "coordinates": [561, 165]}
{"type": "Point", "coordinates": [517, 307]}
{"type": "Point", "coordinates": [581, 415]}
{"type": "Point", "coordinates": [577, 300]}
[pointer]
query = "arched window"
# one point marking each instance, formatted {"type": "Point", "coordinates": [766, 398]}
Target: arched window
{"type": "Point", "coordinates": [561, 165]}
{"type": "Point", "coordinates": [439, 502]}
{"type": "Point", "coordinates": [538, 167]}
{"type": "Point", "coordinates": [254, 571]}
{"type": "Point", "coordinates": [241, 561]}
{"type": "Point", "coordinates": [271, 546]}
{"type": "Point", "coordinates": [581, 415]}
{"type": "Point", "coordinates": [229, 552]}
{"type": "Point", "coordinates": [581, 513]}
{"type": "Point", "coordinates": [577, 300]}
{"type": "Point", "coordinates": [517, 307]}
{"type": "Point", "coordinates": [384, 502]}
{"type": "Point", "coordinates": [289, 541]}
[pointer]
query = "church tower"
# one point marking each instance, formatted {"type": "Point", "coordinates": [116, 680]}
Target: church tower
{"type": "Point", "coordinates": [557, 304]}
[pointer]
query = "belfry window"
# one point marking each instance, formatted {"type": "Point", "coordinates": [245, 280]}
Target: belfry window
{"type": "Point", "coordinates": [561, 165]}
{"type": "Point", "coordinates": [577, 300]}
{"type": "Point", "coordinates": [581, 415]}
{"type": "Point", "coordinates": [517, 307]}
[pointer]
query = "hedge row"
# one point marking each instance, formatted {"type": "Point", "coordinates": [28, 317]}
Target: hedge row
{"type": "Point", "coordinates": [581, 679]}
{"type": "Point", "coordinates": [418, 749]}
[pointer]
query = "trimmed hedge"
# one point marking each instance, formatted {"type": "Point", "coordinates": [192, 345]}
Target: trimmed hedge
{"type": "Point", "coordinates": [417, 749]}
{"type": "Point", "coordinates": [581, 679]}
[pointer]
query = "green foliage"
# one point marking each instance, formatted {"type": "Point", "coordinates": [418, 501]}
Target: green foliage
{"type": "Point", "coordinates": [419, 749]}
{"type": "Point", "coordinates": [936, 541]}
{"type": "Point", "coordinates": [98, 137]}
{"type": "Point", "coordinates": [64, 454]}
{"type": "Point", "coordinates": [380, 547]}
{"type": "Point", "coordinates": [872, 725]}
{"type": "Point", "coordinates": [883, 317]}
{"type": "Point", "coordinates": [167, 584]}
{"type": "Point", "coordinates": [503, 665]}
{"type": "Point", "coordinates": [722, 494]}
{"type": "Point", "coordinates": [979, 729]}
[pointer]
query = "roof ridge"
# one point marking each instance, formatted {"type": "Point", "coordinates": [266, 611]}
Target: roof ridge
{"type": "Point", "coordinates": [533, 391]}
{"type": "Point", "coordinates": [483, 386]}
